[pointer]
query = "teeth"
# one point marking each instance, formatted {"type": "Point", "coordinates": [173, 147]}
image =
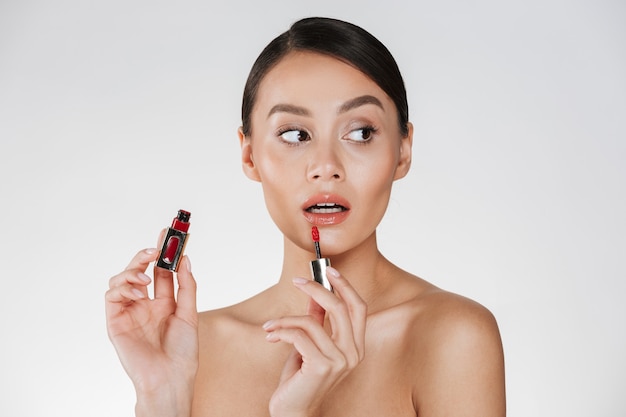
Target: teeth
{"type": "Point", "coordinates": [325, 208]}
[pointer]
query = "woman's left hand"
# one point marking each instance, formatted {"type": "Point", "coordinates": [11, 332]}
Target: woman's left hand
{"type": "Point", "coordinates": [319, 360]}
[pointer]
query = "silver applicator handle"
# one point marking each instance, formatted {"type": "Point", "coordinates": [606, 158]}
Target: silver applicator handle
{"type": "Point", "coordinates": [318, 270]}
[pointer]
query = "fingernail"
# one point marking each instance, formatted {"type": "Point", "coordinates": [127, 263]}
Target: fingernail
{"type": "Point", "coordinates": [188, 263]}
{"type": "Point", "coordinates": [267, 324]}
{"type": "Point", "coordinates": [143, 277]}
{"type": "Point", "coordinates": [271, 337]}
{"type": "Point", "coordinates": [138, 293]}
{"type": "Point", "coordinates": [332, 271]}
{"type": "Point", "coordinates": [299, 281]}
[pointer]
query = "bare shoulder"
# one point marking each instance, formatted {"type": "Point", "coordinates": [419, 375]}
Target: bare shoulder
{"type": "Point", "coordinates": [445, 314]}
{"type": "Point", "coordinates": [435, 311]}
{"type": "Point", "coordinates": [458, 357]}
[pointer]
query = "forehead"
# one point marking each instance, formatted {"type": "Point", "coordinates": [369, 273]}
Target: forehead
{"type": "Point", "coordinates": [309, 78]}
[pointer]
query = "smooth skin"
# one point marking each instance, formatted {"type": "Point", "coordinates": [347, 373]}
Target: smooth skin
{"type": "Point", "coordinates": [385, 343]}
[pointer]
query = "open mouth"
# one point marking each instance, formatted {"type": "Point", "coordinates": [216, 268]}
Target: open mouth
{"type": "Point", "coordinates": [326, 208]}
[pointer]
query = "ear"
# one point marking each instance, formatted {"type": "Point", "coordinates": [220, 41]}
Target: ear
{"type": "Point", "coordinates": [247, 160]}
{"type": "Point", "coordinates": [406, 146]}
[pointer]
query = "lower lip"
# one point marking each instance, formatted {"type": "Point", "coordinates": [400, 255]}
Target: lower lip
{"type": "Point", "coordinates": [326, 219]}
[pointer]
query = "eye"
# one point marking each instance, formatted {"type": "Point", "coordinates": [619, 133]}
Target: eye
{"type": "Point", "coordinates": [363, 134]}
{"type": "Point", "coordinates": [294, 136]}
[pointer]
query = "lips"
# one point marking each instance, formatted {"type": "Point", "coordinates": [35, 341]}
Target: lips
{"type": "Point", "coordinates": [326, 209]}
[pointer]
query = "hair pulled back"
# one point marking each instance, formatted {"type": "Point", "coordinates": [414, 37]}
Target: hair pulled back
{"type": "Point", "coordinates": [339, 39]}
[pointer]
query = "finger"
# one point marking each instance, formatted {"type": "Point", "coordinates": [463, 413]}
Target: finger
{"type": "Point", "coordinates": [348, 329]}
{"type": "Point", "coordinates": [124, 294]}
{"type": "Point", "coordinates": [308, 326]}
{"type": "Point", "coordinates": [292, 365]}
{"type": "Point", "coordinates": [316, 311]}
{"type": "Point", "coordinates": [186, 297]}
{"type": "Point", "coordinates": [357, 307]}
{"type": "Point", "coordinates": [132, 277]}
{"type": "Point", "coordinates": [131, 284]}
{"type": "Point", "coordinates": [134, 272]}
{"type": "Point", "coordinates": [301, 341]}
{"type": "Point", "coordinates": [163, 283]}
{"type": "Point", "coordinates": [335, 308]}
{"type": "Point", "coordinates": [119, 298]}
{"type": "Point", "coordinates": [142, 259]}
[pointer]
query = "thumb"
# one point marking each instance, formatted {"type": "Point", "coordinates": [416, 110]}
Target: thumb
{"type": "Point", "coordinates": [186, 297]}
{"type": "Point", "coordinates": [292, 365]}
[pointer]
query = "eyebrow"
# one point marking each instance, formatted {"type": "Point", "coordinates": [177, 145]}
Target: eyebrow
{"type": "Point", "coordinates": [358, 102]}
{"type": "Point", "coordinates": [289, 108]}
{"type": "Point", "coordinates": [345, 107]}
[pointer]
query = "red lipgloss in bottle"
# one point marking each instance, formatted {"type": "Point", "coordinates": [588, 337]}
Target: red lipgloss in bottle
{"type": "Point", "coordinates": [174, 242]}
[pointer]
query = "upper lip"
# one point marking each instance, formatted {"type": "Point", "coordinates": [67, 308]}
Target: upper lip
{"type": "Point", "coordinates": [325, 199]}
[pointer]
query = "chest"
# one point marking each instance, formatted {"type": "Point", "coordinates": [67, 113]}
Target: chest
{"type": "Point", "coordinates": [242, 378]}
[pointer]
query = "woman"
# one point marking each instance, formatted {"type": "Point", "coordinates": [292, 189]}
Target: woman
{"type": "Point", "coordinates": [325, 131]}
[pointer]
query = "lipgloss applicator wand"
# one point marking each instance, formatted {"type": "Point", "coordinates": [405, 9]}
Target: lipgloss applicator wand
{"type": "Point", "coordinates": [316, 241]}
{"type": "Point", "coordinates": [318, 266]}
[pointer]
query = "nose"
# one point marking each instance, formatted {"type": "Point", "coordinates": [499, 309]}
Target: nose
{"type": "Point", "coordinates": [326, 164]}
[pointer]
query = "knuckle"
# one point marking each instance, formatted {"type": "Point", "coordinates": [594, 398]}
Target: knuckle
{"type": "Point", "coordinates": [113, 280]}
{"type": "Point", "coordinates": [121, 279]}
{"type": "Point", "coordinates": [338, 306]}
{"type": "Point", "coordinates": [113, 295]}
{"type": "Point", "coordinates": [341, 282]}
{"type": "Point", "coordinates": [299, 334]}
{"type": "Point", "coordinates": [324, 369]}
{"type": "Point", "coordinates": [353, 359]}
{"type": "Point", "coordinates": [309, 321]}
{"type": "Point", "coordinates": [125, 289]}
{"type": "Point", "coordinates": [340, 364]}
{"type": "Point", "coordinates": [191, 284]}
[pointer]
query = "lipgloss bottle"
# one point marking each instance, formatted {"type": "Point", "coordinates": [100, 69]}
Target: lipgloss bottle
{"type": "Point", "coordinates": [174, 242]}
{"type": "Point", "coordinates": [318, 265]}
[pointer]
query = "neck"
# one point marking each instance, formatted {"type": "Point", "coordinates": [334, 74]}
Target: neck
{"type": "Point", "coordinates": [363, 266]}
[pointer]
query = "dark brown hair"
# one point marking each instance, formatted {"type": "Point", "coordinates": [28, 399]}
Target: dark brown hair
{"type": "Point", "coordinates": [342, 40]}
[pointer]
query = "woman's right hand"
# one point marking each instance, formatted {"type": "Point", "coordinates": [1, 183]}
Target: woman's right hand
{"type": "Point", "coordinates": [155, 339]}
{"type": "Point", "coordinates": [320, 359]}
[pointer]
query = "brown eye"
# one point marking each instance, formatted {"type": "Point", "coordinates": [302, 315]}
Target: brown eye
{"type": "Point", "coordinates": [295, 136]}
{"type": "Point", "coordinates": [363, 134]}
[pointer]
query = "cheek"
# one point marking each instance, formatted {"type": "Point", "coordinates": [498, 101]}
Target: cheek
{"type": "Point", "coordinates": [278, 181]}
{"type": "Point", "coordinates": [275, 201]}
{"type": "Point", "coordinates": [271, 165]}
{"type": "Point", "coordinates": [375, 175]}
{"type": "Point", "coordinates": [375, 181]}
{"type": "Point", "coordinates": [377, 190]}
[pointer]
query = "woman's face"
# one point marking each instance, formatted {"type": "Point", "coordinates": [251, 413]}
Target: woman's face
{"type": "Point", "coordinates": [326, 146]}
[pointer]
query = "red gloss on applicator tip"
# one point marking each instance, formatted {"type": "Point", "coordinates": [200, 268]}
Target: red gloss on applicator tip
{"type": "Point", "coordinates": [319, 265]}
{"type": "Point", "coordinates": [316, 241]}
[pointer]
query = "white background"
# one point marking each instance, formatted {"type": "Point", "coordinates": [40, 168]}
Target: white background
{"type": "Point", "coordinates": [115, 114]}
